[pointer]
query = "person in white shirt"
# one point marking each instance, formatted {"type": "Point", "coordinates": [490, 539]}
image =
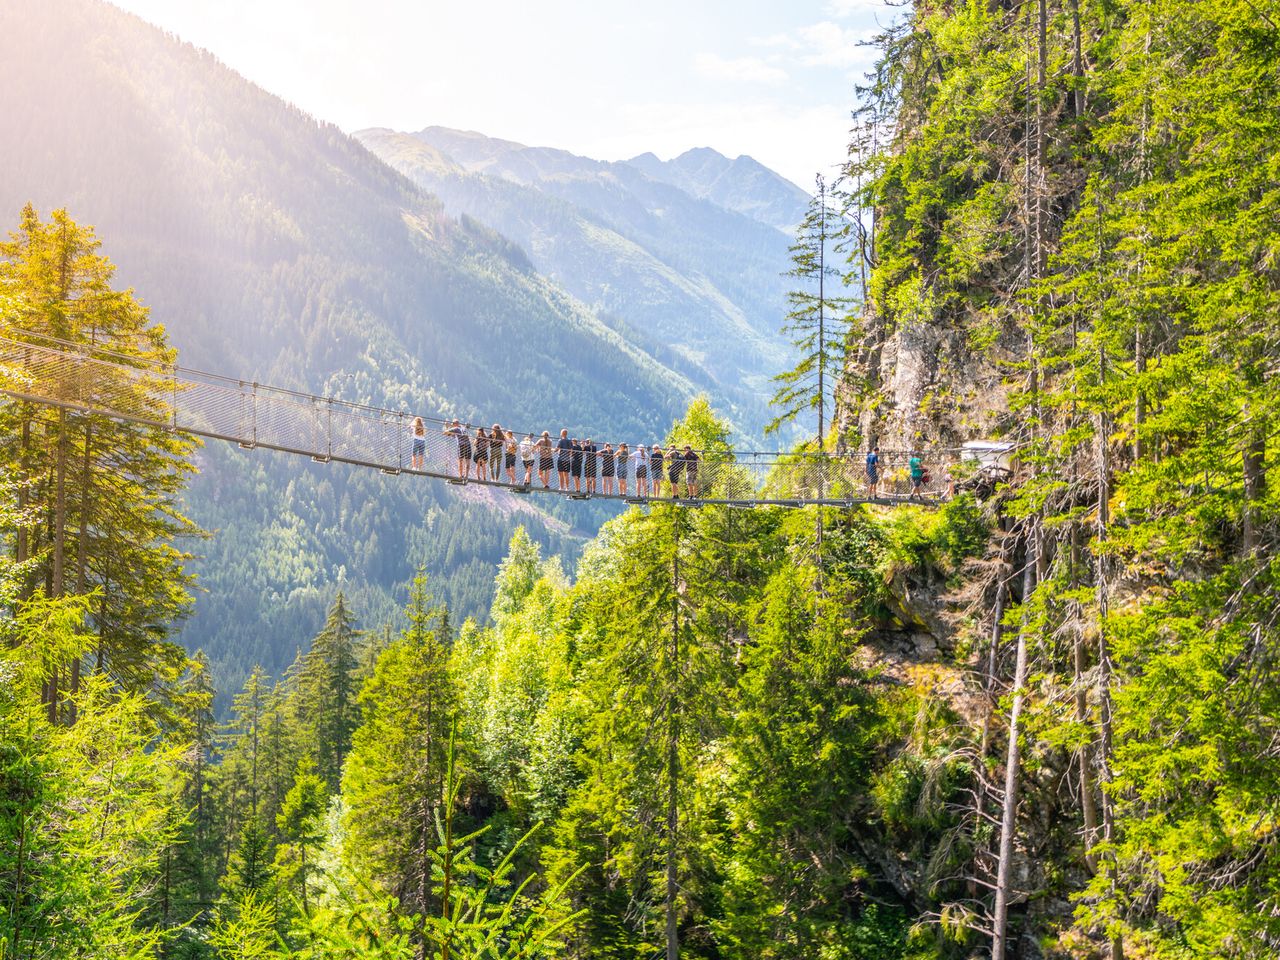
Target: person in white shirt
{"type": "Point", "coordinates": [526, 457]}
{"type": "Point", "coordinates": [641, 457]}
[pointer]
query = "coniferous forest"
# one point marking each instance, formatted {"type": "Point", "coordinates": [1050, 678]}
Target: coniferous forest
{"type": "Point", "coordinates": [1039, 722]}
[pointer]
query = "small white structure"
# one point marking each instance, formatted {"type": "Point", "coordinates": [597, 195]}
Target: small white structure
{"type": "Point", "coordinates": [989, 453]}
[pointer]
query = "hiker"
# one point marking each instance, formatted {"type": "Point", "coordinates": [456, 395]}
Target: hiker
{"type": "Point", "coordinates": [690, 472]}
{"type": "Point", "coordinates": [916, 466]}
{"type": "Point", "coordinates": [589, 464]}
{"type": "Point", "coordinates": [564, 455]}
{"type": "Point", "coordinates": [419, 443]}
{"type": "Point", "coordinates": [655, 470]}
{"type": "Point", "coordinates": [675, 467]}
{"type": "Point", "coordinates": [606, 470]}
{"type": "Point", "coordinates": [509, 457]}
{"type": "Point", "coordinates": [464, 447]}
{"type": "Point", "coordinates": [481, 455]}
{"type": "Point", "coordinates": [576, 465]}
{"type": "Point", "coordinates": [873, 470]}
{"type": "Point", "coordinates": [641, 457]}
{"type": "Point", "coordinates": [526, 457]}
{"type": "Point", "coordinates": [543, 446]}
{"type": "Point", "coordinates": [624, 461]}
{"type": "Point", "coordinates": [497, 446]}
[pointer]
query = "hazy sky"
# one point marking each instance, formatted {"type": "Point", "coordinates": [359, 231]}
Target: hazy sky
{"type": "Point", "coordinates": [770, 78]}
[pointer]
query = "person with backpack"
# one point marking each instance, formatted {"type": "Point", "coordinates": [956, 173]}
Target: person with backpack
{"type": "Point", "coordinates": [464, 447]}
{"type": "Point", "coordinates": [918, 475]}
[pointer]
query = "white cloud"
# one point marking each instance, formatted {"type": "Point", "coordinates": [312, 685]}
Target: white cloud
{"type": "Point", "coordinates": [738, 69]}
{"type": "Point", "coordinates": [850, 8]}
{"type": "Point", "coordinates": [827, 44]}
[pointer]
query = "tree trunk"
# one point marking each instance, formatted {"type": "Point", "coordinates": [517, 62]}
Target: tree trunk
{"type": "Point", "coordinates": [1008, 820]}
{"type": "Point", "coordinates": [673, 754]}
{"type": "Point", "coordinates": [1255, 486]}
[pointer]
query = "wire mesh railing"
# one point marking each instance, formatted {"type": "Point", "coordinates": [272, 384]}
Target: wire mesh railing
{"type": "Point", "coordinates": [98, 381]}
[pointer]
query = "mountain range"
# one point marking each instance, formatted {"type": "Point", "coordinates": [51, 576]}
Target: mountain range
{"type": "Point", "coordinates": [463, 276]}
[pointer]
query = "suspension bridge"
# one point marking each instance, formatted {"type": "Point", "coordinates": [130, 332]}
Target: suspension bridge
{"type": "Point", "coordinates": [95, 380]}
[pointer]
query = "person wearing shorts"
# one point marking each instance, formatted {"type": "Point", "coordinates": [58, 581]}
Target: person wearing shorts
{"type": "Point", "coordinates": [576, 465]}
{"type": "Point", "coordinates": [641, 457]}
{"type": "Point", "coordinates": [526, 457]}
{"type": "Point", "coordinates": [545, 459]}
{"type": "Point", "coordinates": [675, 467]}
{"type": "Point", "coordinates": [419, 443]}
{"type": "Point", "coordinates": [464, 448]}
{"type": "Point", "coordinates": [690, 472]}
{"type": "Point", "coordinates": [606, 469]}
{"type": "Point", "coordinates": [655, 470]}
{"type": "Point", "coordinates": [916, 466]}
{"type": "Point", "coordinates": [873, 470]}
{"type": "Point", "coordinates": [564, 452]}
{"type": "Point", "coordinates": [624, 462]}
{"type": "Point", "coordinates": [589, 464]}
{"type": "Point", "coordinates": [481, 455]}
{"type": "Point", "coordinates": [509, 457]}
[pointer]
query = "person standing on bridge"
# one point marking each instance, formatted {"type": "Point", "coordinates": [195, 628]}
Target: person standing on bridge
{"type": "Point", "coordinates": [576, 465]}
{"type": "Point", "coordinates": [675, 468]}
{"type": "Point", "coordinates": [544, 459]}
{"type": "Point", "coordinates": [624, 461]}
{"type": "Point", "coordinates": [497, 444]}
{"type": "Point", "coordinates": [873, 470]}
{"type": "Point", "coordinates": [589, 451]}
{"type": "Point", "coordinates": [564, 451]}
{"type": "Point", "coordinates": [509, 456]}
{"type": "Point", "coordinates": [916, 466]}
{"type": "Point", "coordinates": [481, 455]}
{"type": "Point", "coordinates": [655, 470]}
{"type": "Point", "coordinates": [641, 458]}
{"type": "Point", "coordinates": [691, 462]}
{"type": "Point", "coordinates": [419, 443]}
{"type": "Point", "coordinates": [606, 470]}
{"type": "Point", "coordinates": [526, 457]}
{"type": "Point", "coordinates": [464, 447]}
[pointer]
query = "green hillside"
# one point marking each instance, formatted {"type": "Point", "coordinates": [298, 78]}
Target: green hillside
{"type": "Point", "coordinates": [274, 247]}
{"type": "Point", "coordinates": [692, 282]}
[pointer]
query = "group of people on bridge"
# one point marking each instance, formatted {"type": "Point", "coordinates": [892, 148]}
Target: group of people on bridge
{"type": "Point", "coordinates": [583, 468]}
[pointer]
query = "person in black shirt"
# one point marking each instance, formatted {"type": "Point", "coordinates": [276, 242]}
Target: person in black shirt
{"type": "Point", "coordinates": [564, 453]}
{"type": "Point", "coordinates": [464, 447]}
{"type": "Point", "coordinates": [589, 464]}
{"type": "Point", "coordinates": [481, 456]}
{"type": "Point", "coordinates": [606, 469]}
{"type": "Point", "coordinates": [576, 466]}
{"type": "Point", "coordinates": [655, 469]}
{"type": "Point", "coordinates": [675, 467]}
{"type": "Point", "coordinates": [623, 458]}
{"type": "Point", "coordinates": [543, 446]}
{"type": "Point", "coordinates": [690, 472]}
{"type": "Point", "coordinates": [497, 442]}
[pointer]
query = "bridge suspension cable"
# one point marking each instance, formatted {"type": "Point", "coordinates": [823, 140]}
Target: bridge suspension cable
{"type": "Point", "coordinates": [95, 380]}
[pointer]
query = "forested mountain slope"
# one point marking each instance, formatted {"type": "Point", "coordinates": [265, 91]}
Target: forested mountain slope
{"type": "Point", "coordinates": [690, 280]}
{"type": "Point", "coordinates": [276, 248]}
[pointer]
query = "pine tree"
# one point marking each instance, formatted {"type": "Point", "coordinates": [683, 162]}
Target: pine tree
{"type": "Point", "coordinates": [326, 693]}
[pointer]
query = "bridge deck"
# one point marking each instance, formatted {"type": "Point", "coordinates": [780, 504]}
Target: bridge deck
{"type": "Point", "coordinates": [254, 415]}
